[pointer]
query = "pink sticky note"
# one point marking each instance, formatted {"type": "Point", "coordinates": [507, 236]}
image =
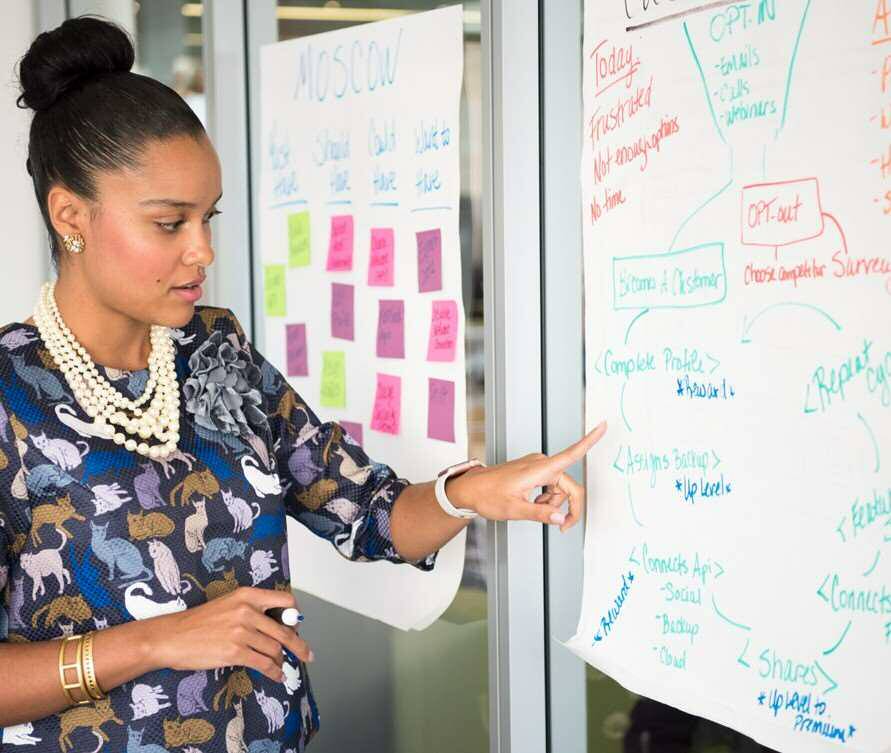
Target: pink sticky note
{"type": "Point", "coordinates": [380, 262]}
{"type": "Point", "coordinates": [443, 331]}
{"type": "Point", "coordinates": [391, 329]}
{"type": "Point", "coordinates": [441, 410]}
{"type": "Point", "coordinates": [342, 311]}
{"type": "Point", "coordinates": [429, 260]}
{"type": "Point", "coordinates": [353, 429]}
{"type": "Point", "coordinates": [387, 404]}
{"type": "Point", "coordinates": [340, 245]}
{"type": "Point", "coordinates": [295, 340]}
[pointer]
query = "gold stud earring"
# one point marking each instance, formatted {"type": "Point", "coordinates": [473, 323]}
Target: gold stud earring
{"type": "Point", "coordinates": [74, 244]}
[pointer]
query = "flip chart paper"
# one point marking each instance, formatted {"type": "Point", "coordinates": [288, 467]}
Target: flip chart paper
{"type": "Point", "coordinates": [372, 160]}
{"type": "Point", "coordinates": [738, 295]}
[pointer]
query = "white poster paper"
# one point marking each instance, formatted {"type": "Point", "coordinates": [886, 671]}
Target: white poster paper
{"type": "Point", "coordinates": [362, 270]}
{"type": "Point", "coordinates": [736, 181]}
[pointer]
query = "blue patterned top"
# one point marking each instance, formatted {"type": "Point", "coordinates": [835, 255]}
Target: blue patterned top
{"type": "Point", "coordinates": [92, 535]}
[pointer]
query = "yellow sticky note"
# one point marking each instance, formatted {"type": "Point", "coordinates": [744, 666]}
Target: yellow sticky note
{"type": "Point", "coordinates": [333, 379]}
{"type": "Point", "coordinates": [298, 239]}
{"type": "Point", "coordinates": [274, 289]}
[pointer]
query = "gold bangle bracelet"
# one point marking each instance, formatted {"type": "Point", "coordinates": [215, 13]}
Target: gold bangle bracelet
{"type": "Point", "coordinates": [67, 687]}
{"type": "Point", "coordinates": [93, 689]}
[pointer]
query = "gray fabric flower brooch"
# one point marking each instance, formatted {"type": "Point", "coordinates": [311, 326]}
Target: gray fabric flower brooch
{"type": "Point", "coordinates": [221, 390]}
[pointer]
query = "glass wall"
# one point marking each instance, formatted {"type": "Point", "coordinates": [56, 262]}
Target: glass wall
{"type": "Point", "coordinates": [382, 689]}
{"type": "Point", "coordinates": [168, 40]}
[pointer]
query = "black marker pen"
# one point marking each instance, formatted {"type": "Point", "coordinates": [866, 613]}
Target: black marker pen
{"type": "Point", "coordinates": [285, 615]}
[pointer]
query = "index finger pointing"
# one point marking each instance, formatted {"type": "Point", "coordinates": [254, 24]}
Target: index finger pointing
{"type": "Point", "coordinates": [575, 452]}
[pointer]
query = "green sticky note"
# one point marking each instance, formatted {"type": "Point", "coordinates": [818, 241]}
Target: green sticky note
{"type": "Point", "coordinates": [298, 239]}
{"type": "Point", "coordinates": [333, 379]}
{"type": "Point", "coordinates": [274, 289]}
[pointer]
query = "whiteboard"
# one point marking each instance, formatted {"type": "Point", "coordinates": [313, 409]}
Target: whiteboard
{"type": "Point", "coordinates": [362, 271]}
{"type": "Point", "coordinates": [736, 181]}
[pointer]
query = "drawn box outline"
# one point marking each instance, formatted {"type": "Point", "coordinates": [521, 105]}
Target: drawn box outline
{"type": "Point", "coordinates": [742, 204]}
{"type": "Point", "coordinates": [667, 255]}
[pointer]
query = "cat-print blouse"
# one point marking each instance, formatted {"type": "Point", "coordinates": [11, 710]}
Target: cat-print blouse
{"type": "Point", "coordinates": [92, 535]}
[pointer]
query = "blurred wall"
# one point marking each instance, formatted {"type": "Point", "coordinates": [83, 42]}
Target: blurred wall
{"type": "Point", "coordinates": [23, 247]}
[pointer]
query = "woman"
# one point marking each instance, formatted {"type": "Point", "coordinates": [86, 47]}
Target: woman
{"type": "Point", "coordinates": [148, 455]}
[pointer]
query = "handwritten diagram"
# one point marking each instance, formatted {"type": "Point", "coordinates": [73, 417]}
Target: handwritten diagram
{"type": "Point", "coordinates": [735, 172]}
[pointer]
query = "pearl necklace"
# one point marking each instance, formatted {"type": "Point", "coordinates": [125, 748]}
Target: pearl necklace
{"type": "Point", "coordinates": [101, 401]}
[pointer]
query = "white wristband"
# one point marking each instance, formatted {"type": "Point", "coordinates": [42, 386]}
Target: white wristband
{"type": "Point", "coordinates": [439, 488]}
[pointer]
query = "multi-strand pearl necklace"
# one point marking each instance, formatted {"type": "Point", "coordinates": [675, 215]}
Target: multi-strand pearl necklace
{"type": "Point", "coordinates": [101, 401]}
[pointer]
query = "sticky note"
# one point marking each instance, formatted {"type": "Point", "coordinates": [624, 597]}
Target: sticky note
{"type": "Point", "coordinates": [381, 258]}
{"type": "Point", "coordinates": [429, 260]}
{"type": "Point", "coordinates": [295, 347]}
{"type": "Point", "coordinates": [298, 239]}
{"type": "Point", "coordinates": [387, 404]}
{"type": "Point", "coordinates": [342, 311]}
{"type": "Point", "coordinates": [441, 410]}
{"type": "Point", "coordinates": [391, 329]}
{"type": "Point", "coordinates": [333, 392]}
{"type": "Point", "coordinates": [443, 331]}
{"type": "Point", "coordinates": [274, 289]}
{"type": "Point", "coordinates": [340, 245]}
{"type": "Point", "coordinates": [353, 429]}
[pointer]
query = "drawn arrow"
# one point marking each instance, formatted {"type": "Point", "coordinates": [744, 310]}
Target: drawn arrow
{"type": "Point", "coordinates": [633, 322]}
{"type": "Point", "coordinates": [742, 657]}
{"type": "Point", "coordinates": [747, 325]}
{"type": "Point", "coordinates": [839, 641]}
{"type": "Point", "coordinates": [713, 360]}
{"type": "Point", "coordinates": [718, 565]}
{"type": "Point", "coordinates": [820, 590]}
{"type": "Point", "coordinates": [717, 460]}
{"type": "Point", "coordinates": [597, 363]}
{"type": "Point", "coordinates": [807, 401]}
{"type": "Point", "coordinates": [833, 684]}
{"type": "Point", "coordinates": [875, 445]}
{"type": "Point", "coordinates": [631, 557]}
{"type": "Point", "coordinates": [622, 407]}
{"type": "Point", "coordinates": [631, 505]}
{"type": "Point", "coordinates": [726, 618]}
{"type": "Point", "coordinates": [616, 461]}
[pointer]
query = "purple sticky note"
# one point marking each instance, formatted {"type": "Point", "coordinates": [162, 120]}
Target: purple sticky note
{"type": "Point", "coordinates": [387, 404]}
{"type": "Point", "coordinates": [429, 260]}
{"type": "Point", "coordinates": [391, 329]}
{"type": "Point", "coordinates": [443, 331]}
{"type": "Point", "coordinates": [342, 311]}
{"type": "Point", "coordinates": [295, 343]}
{"type": "Point", "coordinates": [380, 261]}
{"type": "Point", "coordinates": [353, 429]}
{"type": "Point", "coordinates": [340, 245]}
{"type": "Point", "coordinates": [441, 410]}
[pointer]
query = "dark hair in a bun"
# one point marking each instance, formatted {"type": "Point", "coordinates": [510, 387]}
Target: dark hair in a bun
{"type": "Point", "coordinates": [91, 113]}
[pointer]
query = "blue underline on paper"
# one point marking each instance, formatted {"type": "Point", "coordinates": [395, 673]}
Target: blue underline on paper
{"type": "Point", "coordinates": [432, 209]}
{"type": "Point", "coordinates": [340, 202]}
{"type": "Point", "coordinates": [384, 204]}
{"type": "Point", "coordinates": [294, 202]}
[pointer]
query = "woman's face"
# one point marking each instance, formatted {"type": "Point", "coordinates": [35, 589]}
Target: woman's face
{"type": "Point", "coordinates": [148, 237]}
